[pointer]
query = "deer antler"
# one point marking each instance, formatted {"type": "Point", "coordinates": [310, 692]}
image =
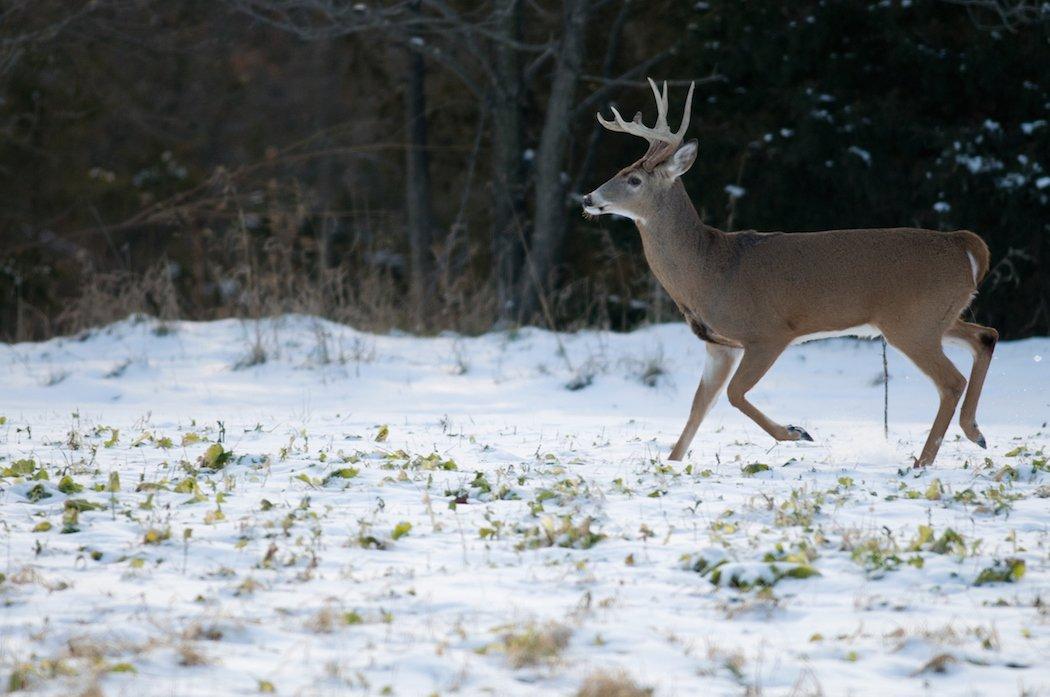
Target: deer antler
{"type": "Point", "coordinates": [662, 141]}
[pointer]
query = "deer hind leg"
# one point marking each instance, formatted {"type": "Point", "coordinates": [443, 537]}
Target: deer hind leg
{"type": "Point", "coordinates": [719, 363]}
{"type": "Point", "coordinates": [757, 360]}
{"type": "Point", "coordinates": [928, 356]}
{"type": "Point", "coordinates": [981, 342]}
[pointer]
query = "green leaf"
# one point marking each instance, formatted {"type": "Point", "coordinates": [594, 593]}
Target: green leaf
{"type": "Point", "coordinates": [155, 537]}
{"type": "Point", "coordinates": [1007, 571]}
{"type": "Point", "coordinates": [38, 493]}
{"type": "Point", "coordinates": [949, 541]}
{"type": "Point", "coordinates": [401, 529]}
{"type": "Point", "coordinates": [312, 482]}
{"type": "Point", "coordinates": [186, 486]}
{"type": "Point", "coordinates": [925, 535]}
{"type": "Point", "coordinates": [70, 520]}
{"type": "Point", "coordinates": [933, 491]}
{"type": "Point", "coordinates": [215, 457]}
{"type": "Point", "coordinates": [342, 473]}
{"type": "Point", "coordinates": [19, 468]}
{"type": "Point", "coordinates": [802, 571]}
{"type": "Point", "coordinates": [67, 486]}
{"type": "Point", "coordinates": [82, 505]}
{"type": "Point", "coordinates": [754, 468]}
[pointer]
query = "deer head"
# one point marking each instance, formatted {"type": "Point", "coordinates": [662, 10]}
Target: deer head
{"type": "Point", "coordinates": [639, 187]}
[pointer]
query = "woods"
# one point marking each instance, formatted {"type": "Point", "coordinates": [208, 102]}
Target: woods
{"type": "Point", "coordinates": [418, 164]}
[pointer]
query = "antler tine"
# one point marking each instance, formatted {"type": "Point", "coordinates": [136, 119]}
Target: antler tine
{"type": "Point", "coordinates": [635, 127]}
{"type": "Point", "coordinates": [661, 106]}
{"type": "Point", "coordinates": [680, 133]}
{"type": "Point", "coordinates": [661, 139]}
{"type": "Point", "coordinates": [667, 105]}
{"type": "Point", "coordinates": [618, 125]}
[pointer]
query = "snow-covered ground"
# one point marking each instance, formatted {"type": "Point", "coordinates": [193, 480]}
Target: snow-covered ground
{"type": "Point", "coordinates": [396, 515]}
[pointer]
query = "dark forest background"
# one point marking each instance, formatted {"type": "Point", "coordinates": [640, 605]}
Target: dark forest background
{"type": "Point", "coordinates": [418, 165]}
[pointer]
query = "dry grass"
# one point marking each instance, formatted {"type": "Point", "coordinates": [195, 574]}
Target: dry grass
{"type": "Point", "coordinates": [533, 644]}
{"type": "Point", "coordinates": [92, 690]}
{"type": "Point", "coordinates": [264, 263]}
{"type": "Point", "coordinates": [324, 621]}
{"type": "Point", "coordinates": [197, 631]}
{"type": "Point", "coordinates": [612, 684]}
{"type": "Point", "coordinates": [189, 655]}
{"type": "Point", "coordinates": [367, 296]}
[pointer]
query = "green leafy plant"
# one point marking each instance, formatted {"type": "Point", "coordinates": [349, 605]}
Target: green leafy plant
{"type": "Point", "coordinates": [1009, 570]}
{"type": "Point", "coordinates": [215, 457]}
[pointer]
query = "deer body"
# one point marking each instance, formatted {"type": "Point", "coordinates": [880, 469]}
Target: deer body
{"type": "Point", "coordinates": [749, 295]}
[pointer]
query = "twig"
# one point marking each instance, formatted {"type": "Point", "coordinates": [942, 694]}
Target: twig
{"type": "Point", "coordinates": [885, 393]}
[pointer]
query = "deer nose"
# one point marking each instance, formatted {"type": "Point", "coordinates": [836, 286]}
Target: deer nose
{"type": "Point", "coordinates": [588, 201]}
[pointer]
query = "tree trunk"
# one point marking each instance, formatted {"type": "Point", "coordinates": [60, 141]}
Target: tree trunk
{"type": "Point", "coordinates": [508, 171]}
{"type": "Point", "coordinates": [550, 220]}
{"type": "Point", "coordinates": [417, 192]}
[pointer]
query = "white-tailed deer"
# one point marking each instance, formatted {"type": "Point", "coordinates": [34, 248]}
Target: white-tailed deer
{"type": "Point", "coordinates": [750, 295]}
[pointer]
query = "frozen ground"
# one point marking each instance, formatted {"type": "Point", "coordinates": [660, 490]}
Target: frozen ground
{"type": "Point", "coordinates": [394, 515]}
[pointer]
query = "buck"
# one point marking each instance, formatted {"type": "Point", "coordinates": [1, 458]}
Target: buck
{"type": "Point", "coordinates": [750, 295]}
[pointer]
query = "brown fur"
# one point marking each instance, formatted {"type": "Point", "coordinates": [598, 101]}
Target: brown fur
{"type": "Point", "coordinates": [749, 294]}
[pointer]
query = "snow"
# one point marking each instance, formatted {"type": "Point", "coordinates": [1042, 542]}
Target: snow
{"type": "Point", "coordinates": [1011, 180]}
{"type": "Point", "coordinates": [861, 153]}
{"type": "Point", "coordinates": [1030, 127]}
{"type": "Point", "coordinates": [977, 164]}
{"type": "Point", "coordinates": [300, 572]}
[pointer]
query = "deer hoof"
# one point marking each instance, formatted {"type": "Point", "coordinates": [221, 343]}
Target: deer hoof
{"type": "Point", "coordinates": [799, 433]}
{"type": "Point", "coordinates": [975, 435]}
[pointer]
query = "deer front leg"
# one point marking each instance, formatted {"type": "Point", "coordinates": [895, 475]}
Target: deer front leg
{"type": "Point", "coordinates": [719, 363]}
{"type": "Point", "coordinates": [756, 362]}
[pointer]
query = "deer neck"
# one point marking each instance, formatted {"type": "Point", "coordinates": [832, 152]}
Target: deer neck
{"type": "Point", "coordinates": [679, 246]}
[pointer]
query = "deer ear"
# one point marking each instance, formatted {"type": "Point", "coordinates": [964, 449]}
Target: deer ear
{"type": "Point", "coordinates": [682, 159]}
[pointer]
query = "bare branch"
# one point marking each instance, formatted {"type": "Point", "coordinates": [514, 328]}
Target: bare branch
{"type": "Point", "coordinates": [435, 31]}
{"type": "Point", "coordinates": [23, 23]}
{"type": "Point", "coordinates": [1010, 15]}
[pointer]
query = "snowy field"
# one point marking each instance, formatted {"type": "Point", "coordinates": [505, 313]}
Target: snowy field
{"type": "Point", "coordinates": [298, 508]}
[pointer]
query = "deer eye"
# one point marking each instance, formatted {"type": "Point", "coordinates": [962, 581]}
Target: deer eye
{"type": "Point", "coordinates": [634, 180]}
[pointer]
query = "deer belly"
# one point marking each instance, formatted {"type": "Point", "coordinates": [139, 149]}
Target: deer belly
{"type": "Point", "coordinates": [861, 331]}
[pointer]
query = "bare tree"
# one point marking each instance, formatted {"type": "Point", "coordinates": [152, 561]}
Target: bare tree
{"type": "Point", "coordinates": [417, 187]}
{"type": "Point", "coordinates": [484, 48]}
{"type": "Point", "coordinates": [24, 23]}
{"type": "Point", "coordinates": [408, 26]}
{"type": "Point", "coordinates": [550, 222]}
{"type": "Point", "coordinates": [508, 167]}
{"type": "Point", "coordinates": [1010, 15]}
